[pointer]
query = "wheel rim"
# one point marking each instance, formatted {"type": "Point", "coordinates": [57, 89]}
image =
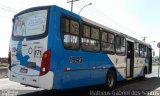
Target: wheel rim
{"type": "Point", "coordinates": [110, 80]}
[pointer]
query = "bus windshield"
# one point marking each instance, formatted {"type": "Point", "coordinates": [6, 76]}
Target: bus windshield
{"type": "Point", "coordinates": [30, 24]}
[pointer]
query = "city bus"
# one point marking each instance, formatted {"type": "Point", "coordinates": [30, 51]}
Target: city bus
{"type": "Point", "coordinates": [53, 48]}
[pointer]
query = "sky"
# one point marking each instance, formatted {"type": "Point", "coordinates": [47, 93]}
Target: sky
{"type": "Point", "coordinates": [137, 18]}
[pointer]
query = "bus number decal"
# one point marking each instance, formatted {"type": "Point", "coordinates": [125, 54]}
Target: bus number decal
{"type": "Point", "coordinates": [38, 52]}
{"type": "Point", "coordinates": [73, 59]}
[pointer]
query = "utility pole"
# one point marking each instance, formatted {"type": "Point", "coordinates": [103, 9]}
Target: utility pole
{"type": "Point", "coordinates": [71, 1]}
{"type": "Point", "coordinates": [144, 39]}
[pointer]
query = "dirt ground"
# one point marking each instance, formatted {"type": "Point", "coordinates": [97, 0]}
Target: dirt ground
{"type": "Point", "coordinates": [3, 75]}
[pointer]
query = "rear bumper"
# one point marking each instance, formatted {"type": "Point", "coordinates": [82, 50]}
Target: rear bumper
{"type": "Point", "coordinates": [45, 81]}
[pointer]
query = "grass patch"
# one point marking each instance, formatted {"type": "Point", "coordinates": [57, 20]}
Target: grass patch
{"type": "Point", "coordinates": [4, 65]}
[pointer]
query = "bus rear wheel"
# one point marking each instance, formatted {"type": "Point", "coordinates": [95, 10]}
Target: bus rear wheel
{"type": "Point", "coordinates": [111, 79]}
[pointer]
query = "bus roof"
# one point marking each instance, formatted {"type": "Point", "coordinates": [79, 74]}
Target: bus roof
{"type": "Point", "coordinates": [90, 22]}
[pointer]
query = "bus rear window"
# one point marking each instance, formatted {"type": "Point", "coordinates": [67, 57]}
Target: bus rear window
{"type": "Point", "coordinates": [30, 23]}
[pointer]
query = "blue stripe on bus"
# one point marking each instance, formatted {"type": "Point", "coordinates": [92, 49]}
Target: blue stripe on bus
{"type": "Point", "coordinates": [23, 59]}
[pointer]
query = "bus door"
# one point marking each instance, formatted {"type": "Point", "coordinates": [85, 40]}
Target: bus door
{"type": "Point", "coordinates": [149, 57]}
{"type": "Point", "coordinates": [130, 60]}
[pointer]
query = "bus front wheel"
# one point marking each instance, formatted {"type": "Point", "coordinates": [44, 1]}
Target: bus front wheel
{"type": "Point", "coordinates": [111, 79]}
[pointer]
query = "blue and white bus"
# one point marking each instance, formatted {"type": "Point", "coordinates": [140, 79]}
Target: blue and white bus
{"type": "Point", "coordinates": [53, 48]}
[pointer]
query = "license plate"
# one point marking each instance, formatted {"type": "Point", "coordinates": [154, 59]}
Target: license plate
{"type": "Point", "coordinates": [31, 65]}
{"type": "Point", "coordinates": [23, 70]}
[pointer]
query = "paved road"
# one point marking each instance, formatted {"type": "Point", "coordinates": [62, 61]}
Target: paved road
{"type": "Point", "coordinates": [150, 84]}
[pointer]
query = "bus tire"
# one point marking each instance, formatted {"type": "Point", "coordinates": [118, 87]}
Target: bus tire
{"type": "Point", "coordinates": [111, 79]}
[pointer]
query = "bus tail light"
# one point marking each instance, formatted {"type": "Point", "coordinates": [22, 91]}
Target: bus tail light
{"type": "Point", "coordinates": [45, 63]}
{"type": "Point", "coordinates": [9, 60]}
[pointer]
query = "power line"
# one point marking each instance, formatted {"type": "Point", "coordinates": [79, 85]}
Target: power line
{"type": "Point", "coordinates": [112, 22]}
{"type": "Point", "coordinates": [8, 9]}
{"type": "Point", "coordinates": [99, 18]}
{"type": "Point", "coordinates": [92, 14]}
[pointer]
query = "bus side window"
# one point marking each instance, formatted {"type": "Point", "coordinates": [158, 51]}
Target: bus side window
{"type": "Point", "coordinates": [145, 51]}
{"type": "Point", "coordinates": [120, 45]}
{"type": "Point", "coordinates": [107, 42]}
{"type": "Point", "coordinates": [74, 27]}
{"type": "Point", "coordinates": [64, 25]}
{"type": "Point", "coordinates": [142, 50]}
{"type": "Point", "coordinates": [90, 38]}
{"type": "Point", "coordinates": [95, 43]}
{"type": "Point", "coordinates": [123, 45]}
{"type": "Point", "coordinates": [136, 48]}
{"type": "Point", "coordinates": [70, 33]}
